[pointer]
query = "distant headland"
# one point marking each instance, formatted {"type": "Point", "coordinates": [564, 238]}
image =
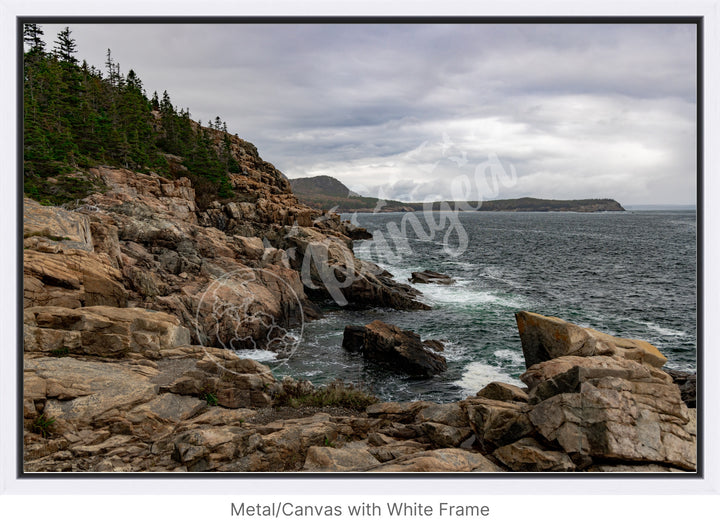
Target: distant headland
{"type": "Point", "coordinates": [327, 192]}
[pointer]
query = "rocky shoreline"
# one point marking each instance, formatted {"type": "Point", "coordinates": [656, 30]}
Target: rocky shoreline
{"type": "Point", "coordinates": [127, 393]}
{"type": "Point", "coordinates": [135, 297]}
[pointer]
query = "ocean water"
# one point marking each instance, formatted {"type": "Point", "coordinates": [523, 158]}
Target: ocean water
{"type": "Point", "coordinates": [630, 274]}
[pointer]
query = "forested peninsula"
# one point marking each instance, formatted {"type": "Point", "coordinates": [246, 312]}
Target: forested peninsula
{"type": "Point", "coordinates": [328, 192]}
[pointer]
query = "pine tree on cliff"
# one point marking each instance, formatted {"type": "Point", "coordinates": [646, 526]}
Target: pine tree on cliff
{"type": "Point", "coordinates": [32, 36]}
{"type": "Point", "coordinates": [75, 118]}
{"type": "Point", "coordinates": [65, 47]}
{"type": "Point", "coordinates": [155, 102]}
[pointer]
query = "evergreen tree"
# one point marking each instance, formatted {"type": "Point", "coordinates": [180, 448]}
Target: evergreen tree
{"type": "Point", "coordinates": [32, 36]}
{"type": "Point", "coordinates": [113, 70]}
{"type": "Point", "coordinates": [76, 118]}
{"type": "Point", "coordinates": [65, 47]}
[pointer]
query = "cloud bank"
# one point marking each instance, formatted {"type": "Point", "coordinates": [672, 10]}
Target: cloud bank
{"type": "Point", "coordinates": [408, 111]}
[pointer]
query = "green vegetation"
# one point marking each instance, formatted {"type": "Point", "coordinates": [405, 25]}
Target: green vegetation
{"type": "Point", "coordinates": [76, 117]}
{"type": "Point", "coordinates": [43, 425]}
{"type": "Point", "coordinates": [62, 351]}
{"type": "Point", "coordinates": [335, 394]}
{"type": "Point", "coordinates": [210, 398]}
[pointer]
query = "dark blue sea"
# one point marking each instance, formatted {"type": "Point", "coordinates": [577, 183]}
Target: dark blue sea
{"type": "Point", "coordinates": [630, 274]}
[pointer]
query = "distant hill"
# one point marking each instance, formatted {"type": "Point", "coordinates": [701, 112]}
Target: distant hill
{"type": "Point", "coordinates": [326, 192]}
{"type": "Point", "coordinates": [321, 185]}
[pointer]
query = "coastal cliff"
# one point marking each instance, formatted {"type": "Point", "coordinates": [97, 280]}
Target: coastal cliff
{"type": "Point", "coordinates": [126, 367]}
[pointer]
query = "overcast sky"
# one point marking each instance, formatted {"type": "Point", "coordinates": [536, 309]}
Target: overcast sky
{"type": "Point", "coordinates": [415, 112]}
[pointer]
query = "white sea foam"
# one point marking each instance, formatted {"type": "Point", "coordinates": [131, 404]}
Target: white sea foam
{"type": "Point", "coordinates": [479, 374]}
{"type": "Point", "coordinates": [664, 331]}
{"type": "Point", "coordinates": [513, 356]}
{"type": "Point", "coordinates": [461, 294]}
{"type": "Point", "coordinates": [456, 352]}
{"type": "Point", "coordinates": [256, 354]}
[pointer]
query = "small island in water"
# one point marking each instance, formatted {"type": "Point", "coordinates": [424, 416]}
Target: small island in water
{"type": "Point", "coordinates": [327, 192]}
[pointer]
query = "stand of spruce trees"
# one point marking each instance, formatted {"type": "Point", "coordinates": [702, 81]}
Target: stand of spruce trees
{"type": "Point", "coordinates": [76, 117]}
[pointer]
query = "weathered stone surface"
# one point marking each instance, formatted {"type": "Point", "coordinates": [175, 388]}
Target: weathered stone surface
{"type": "Point", "coordinates": [444, 436]}
{"type": "Point", "coordinates": [616, 366]}
{"type": "Point", "coordinates": [168, 406]}
{"type": "Point", "coordinates": [116, 411]}
{"type": "Point", "coordinates": [54, 228]}
{"type": "Point", "coordinates": [101, 330]}
{"type": "Point", "coordinates": [434, 344]}
{"type": "Point", "coordinates": [443, 460]}
{"type": "Point", "coordinates": [329, 459]}
{"type": "Point", "coordinates": [544, 338]}
{"type": "Point", "coordinates": [395, 449]}
{"type": "Point", "coordinates": [687, 382]}
{"type": "Point", "coordinates": [619, 418]}
{"type": "Point", "coordinates": [503, 391]}
{"type": "Point", "coordinates": [330, 270]}
{"type": "Point", "coordinates": [401, 349]}
{"type": "Point", "coordinates": [451, 414]}
{"type": "Point", "coordinates": [571, 380]}
{"type": "Point", "coordinates": [397, 411]}
{"type": "Point", "coordinates": [247, 308]}
{"type": "Point", "coordinates": [201, 371]}
{"type": "Point", "coordinates": [497, 423]}
{"type": "Point", "coordinates": [169, 198]}
{"type": "Point", "coordinates": [286, 445]}
{"type": "Point", "coordinates": [72, 279]}
{"type": "Point", "coordinates": [528, 455]}
{"type": "Point", "coordinates": [105, 388]}
{"type": "Point", "coordinates": [202, 450]}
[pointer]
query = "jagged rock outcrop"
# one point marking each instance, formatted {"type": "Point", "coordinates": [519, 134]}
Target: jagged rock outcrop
{"type": "Point", "coordinates": [193, 408]}
{"type": "Point", "coordinates": [232, 273]}
{"type": "Point", "coordinates": [60, 267]}
{"type": "Point", "coordinates": [430, 277]}
{"type": "Point", "coordinates": [100, 330]}
{"type": "Point", "coordinates": [614, 409]}
{"type": "Point", "coordinates": [329, 270]}
{"type": "Point", "coordinates": [393, 346]}
{"type": "Point", "coordinates": [602, 399]}
{"type": "Point", "coordinates": [544, 338]}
